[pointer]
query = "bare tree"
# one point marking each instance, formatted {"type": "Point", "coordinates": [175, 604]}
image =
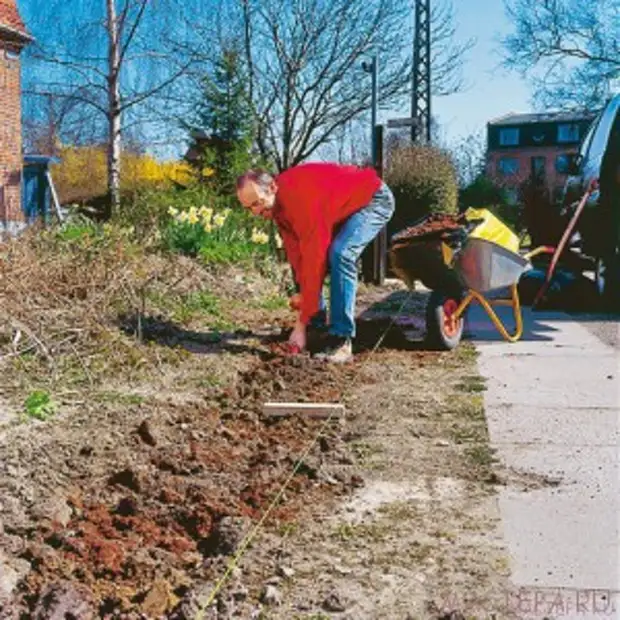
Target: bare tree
{"type": "Point", "coordinates": [469, 156]}
{"type": "Point", "coordinates": [569, 48]}
{"type": "Point", "coordinates": [303, 59]}
{"type": "Point", "coordinates": [107, 59]}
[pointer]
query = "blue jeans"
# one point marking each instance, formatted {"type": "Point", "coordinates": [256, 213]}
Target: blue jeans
{"type": "Point", "coordinates": [354, 235]}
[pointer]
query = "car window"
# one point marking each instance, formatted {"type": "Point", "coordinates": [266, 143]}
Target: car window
{"type": "Point", "coordinates": [601, 135]}
{"type": "Point", "coordinates": [585, 145]}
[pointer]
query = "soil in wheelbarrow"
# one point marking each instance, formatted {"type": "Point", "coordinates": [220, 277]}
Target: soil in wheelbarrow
{"type": "Point", "coordinates": [436, 223]}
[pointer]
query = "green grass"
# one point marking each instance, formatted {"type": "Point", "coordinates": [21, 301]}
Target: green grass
{"type": "Point", "coordinates": [471, 384]}
{"type": "Point", "coordinates": [466, 406]}
{"type": "Point", "coordinates": [196, 306]}
{"type": "Point", "coordinates": [363, 531]}
{"type": "Point", "coordinates": [272, 303]}
{"type": "Point", "coordinates": [468, 434]}
{"type": "Point", "coordinates": [481, 455]}
{"type": "Point", "coordinates": [464, 353]}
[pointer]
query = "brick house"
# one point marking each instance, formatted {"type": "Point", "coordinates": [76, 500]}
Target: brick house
{"type": "Point", "coordinates": [13, 38]}
{"type": "Point", "coordinates": [523, 146]}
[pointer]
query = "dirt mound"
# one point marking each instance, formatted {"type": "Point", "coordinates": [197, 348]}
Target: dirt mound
{"type": "Point", "coordinates": [184, 498]}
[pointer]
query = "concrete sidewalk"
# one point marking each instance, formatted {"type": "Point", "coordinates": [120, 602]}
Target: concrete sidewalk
{"type": "Point", "coordinates": [553, 409]}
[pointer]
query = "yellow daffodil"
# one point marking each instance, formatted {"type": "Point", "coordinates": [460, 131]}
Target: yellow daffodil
{"type": "Point", "coordinates": [183, 217]}
{"type": "Point", "coordinates": [259, 237]}
{"type": "Point", "coordinates": [208, 228]}
{"type": "Point", "coordinates": [219, 220]}
{"type": "Point", "coordinates": [173, 211]}
{"type": "Point", "coordinates": [192, 217]}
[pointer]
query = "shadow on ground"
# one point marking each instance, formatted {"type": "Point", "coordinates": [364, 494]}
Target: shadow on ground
{"type": "Point", "coordinates": [395, 321]}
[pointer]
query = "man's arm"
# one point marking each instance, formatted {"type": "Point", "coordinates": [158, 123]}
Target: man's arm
{"type": "Point", "coordinates": [313, 249]}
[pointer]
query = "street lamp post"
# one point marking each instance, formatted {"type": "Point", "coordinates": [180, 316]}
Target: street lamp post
{"type": "Point", "coordinates": [372, 67]}
{"type": "Point", "coordinates": [374, 260]}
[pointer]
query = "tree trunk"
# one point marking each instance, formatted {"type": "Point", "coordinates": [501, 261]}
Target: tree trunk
{"type": "Point", "coordinates": [114, 109]}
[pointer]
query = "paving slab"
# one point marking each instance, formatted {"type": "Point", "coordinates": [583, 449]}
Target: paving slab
{"type": "Point", "coordinates": [553, 409]}
{"type": "Point", "coordinates": [572, 381]}
{"type": "Point", "coordinates": [547, 537]}
{"type": "Point", "coordinates": [557, 425]}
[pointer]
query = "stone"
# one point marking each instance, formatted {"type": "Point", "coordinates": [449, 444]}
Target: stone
{"type": "Point", "coordinates": [63, 600]}
{"type": "Point", "coordinates": [11, 573]}
{"type": "Point", "coordinates": [226, 536]}
{"type": "Point", "coordinates": [334, 603]}
{"type": "Point", "coordinates": [158, 600]}
{"type": "Point", "coordinates": [240, 593]}
{"type": "Point", "coordinates": [271, 596]}
{"type": "Point", "coordinates": [286, 572]}
{"type": "Point", "coordinates": [342, 570]}
{"type": "Point", "coordinates": [54, 509]}
{"type": "Point", "coordinates": [145, 432]}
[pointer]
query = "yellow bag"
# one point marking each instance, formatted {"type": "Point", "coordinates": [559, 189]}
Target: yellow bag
{"type": "Point", "coordinates": [492, 229]}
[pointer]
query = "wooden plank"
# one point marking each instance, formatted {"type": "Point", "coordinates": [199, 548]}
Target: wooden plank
{"type": "Point", "coordinates": [312, 410]}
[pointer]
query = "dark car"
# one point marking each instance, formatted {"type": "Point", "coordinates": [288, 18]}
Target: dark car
{"type": "Point", "coordinates": [598, 228]}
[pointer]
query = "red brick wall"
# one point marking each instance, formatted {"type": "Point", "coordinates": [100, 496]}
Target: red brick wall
{"type": "Point", "coordinates": [553, 178]}
{"type": "Point", "coordinates": [10, 135]}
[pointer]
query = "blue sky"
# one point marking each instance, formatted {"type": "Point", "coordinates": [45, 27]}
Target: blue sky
{"type": "Point", "coordinates": [492, 90]}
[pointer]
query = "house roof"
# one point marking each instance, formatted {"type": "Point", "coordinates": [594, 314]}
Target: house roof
{"type": "Point", "coordinates": [542, 117]}
{"type": "Point", "coordinates": [10, 20]}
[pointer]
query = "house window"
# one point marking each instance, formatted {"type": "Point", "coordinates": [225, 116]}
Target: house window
{"type": "Point", "coordinates": [562, 163]}
{"type": "Point", "coordinates": [509, 136]}
{"type": "Point", "coordinates": [568, 133]}
{"type": "Point", "coordinates": [511, 195]}
{"type": "Point", "coordinates": [508, 166]}
{"type": "Point", "coordinates": [11, 55]}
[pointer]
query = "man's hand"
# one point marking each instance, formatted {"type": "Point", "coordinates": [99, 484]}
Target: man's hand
{"type": "Point", "coordinates": [298, 337]}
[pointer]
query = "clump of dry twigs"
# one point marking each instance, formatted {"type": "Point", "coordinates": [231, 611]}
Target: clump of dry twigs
{"type": "Point", "coordinates": [61, 299]}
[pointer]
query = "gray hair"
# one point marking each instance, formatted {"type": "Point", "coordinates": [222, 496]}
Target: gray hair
{"type": "Point", "coordinates": [262, 178]}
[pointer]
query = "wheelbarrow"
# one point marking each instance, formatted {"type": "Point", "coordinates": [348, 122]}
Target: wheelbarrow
{"type": "Point", "coordinates": [476, 261]}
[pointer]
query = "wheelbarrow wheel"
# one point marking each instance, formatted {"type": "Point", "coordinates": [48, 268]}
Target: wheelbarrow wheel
{"type": "Point", "coordinates": [443, 330]}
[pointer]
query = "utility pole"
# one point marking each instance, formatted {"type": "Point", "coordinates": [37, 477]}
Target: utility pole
{"type": "Point", "coordinates": [421, 87]}
{"type": "Point", "coordinates": [372, 67]}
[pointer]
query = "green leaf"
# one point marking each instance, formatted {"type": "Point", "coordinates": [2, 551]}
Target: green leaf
{"type": "Point", "coordinates": [39, 405]}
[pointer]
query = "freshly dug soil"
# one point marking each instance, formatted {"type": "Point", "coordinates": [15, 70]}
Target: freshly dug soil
{"type": "Point", "coordinates": [148, 496]}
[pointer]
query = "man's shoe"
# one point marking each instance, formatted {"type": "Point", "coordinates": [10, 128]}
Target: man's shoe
{"type": "Point", "coordinates": [338, 350]}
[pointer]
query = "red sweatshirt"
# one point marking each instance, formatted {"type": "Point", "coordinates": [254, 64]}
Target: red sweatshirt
{"type": "Point", "coordinates": [312, 199]}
